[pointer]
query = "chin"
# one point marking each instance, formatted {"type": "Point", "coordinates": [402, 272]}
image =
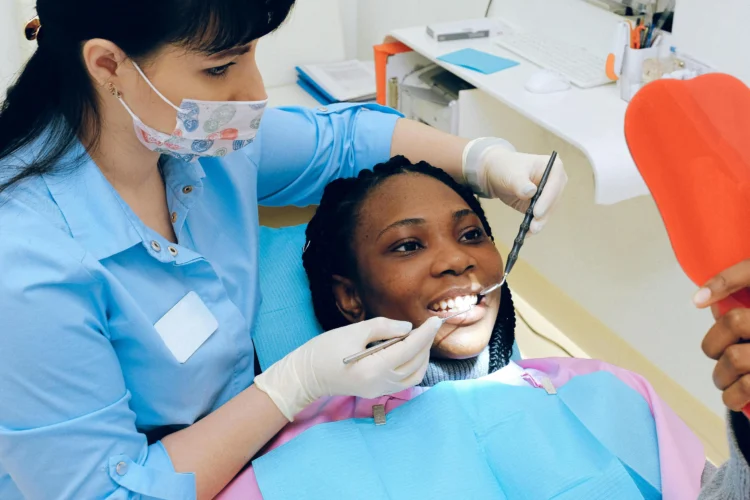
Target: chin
{"type": "Point", "coordinates": [461, 343]}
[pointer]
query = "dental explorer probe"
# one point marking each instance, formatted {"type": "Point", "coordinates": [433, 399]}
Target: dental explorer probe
{"type": "Point", "coordinates": [395, 340]}
{"type": "Point", "coordinates": [525, 225]}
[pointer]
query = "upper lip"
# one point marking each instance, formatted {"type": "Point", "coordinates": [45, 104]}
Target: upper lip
{"type": "Point", "coordinates": [454, 292]}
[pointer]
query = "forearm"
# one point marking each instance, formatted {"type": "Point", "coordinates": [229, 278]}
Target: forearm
{"type": "Point", "coordinates": [217, 447]}
{"type": "Point", "coordinates": [419, 142]}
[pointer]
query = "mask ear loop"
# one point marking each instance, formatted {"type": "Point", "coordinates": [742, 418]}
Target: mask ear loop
{"type": "Point", "coordinates": [118, 95]}
{"type": "Point", "coordinates": [143, 75]}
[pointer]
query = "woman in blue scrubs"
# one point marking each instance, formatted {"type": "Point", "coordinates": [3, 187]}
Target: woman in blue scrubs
{"type": "Point", "coordinates": [135, 148]}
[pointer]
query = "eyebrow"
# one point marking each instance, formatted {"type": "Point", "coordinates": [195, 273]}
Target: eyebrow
{"type": "Point", "coordinates": [401, 223]}
{"type": "Point", "coordinates": [417, 222]}
{"type": "Point", "coordinates": [466, 212]}
{"type": "Point", "coordinates": [235, 51]}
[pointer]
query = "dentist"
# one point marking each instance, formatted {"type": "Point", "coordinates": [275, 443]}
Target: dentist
{"type": "Point", "coordinates": [135, 148]}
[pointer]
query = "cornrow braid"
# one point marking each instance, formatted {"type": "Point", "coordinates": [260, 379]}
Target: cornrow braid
{"type": "Point", "coordinates": [328, 249]}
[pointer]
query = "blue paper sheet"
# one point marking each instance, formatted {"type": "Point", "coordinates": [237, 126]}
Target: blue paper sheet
{"type": "Point", "coordinates": [478, 61]}
{"type": "Point", "coordinates": [480, 439]}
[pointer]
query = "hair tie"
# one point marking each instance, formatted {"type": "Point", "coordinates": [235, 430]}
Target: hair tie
{"type": "Point", "coordinates": [32, 29]}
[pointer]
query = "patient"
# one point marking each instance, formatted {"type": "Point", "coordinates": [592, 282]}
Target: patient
{"type": "Point", "coordinates": [407, 242]}
{"type": "Point", "coordinates": [408, 247]}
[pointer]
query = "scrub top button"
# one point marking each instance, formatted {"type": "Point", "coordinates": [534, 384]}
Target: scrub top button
{"type": "Point", "coordinates": [172, 250]}
{"type": "Point", "coordinates": [323, 109]}
{"type": "Point", "coordinates": [187, 189]}
{"type": "Point", "coordinates": [244, 363]}
{"type": "Point", "coordinates": [174, 217]}
{"type": "Point", "coordinates": [156, 246]}
{"type": "Point", "coordinates": [121, 469]}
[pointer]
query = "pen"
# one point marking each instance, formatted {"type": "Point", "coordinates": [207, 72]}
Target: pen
{"type": "Point", "coordinates": [637, 35]}
{"type": "Point", "coordinates": [649, 35]}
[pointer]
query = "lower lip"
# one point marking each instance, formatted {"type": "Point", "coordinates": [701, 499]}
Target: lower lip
{"type": "Point", "coordinates": [470, 317]}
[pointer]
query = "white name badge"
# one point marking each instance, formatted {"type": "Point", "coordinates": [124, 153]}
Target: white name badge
{"type": "Point", "coordinates": [186, 326]}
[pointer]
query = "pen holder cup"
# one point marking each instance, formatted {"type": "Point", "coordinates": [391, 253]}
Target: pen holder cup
{"type": "Point", "coordinates": [631, 78]}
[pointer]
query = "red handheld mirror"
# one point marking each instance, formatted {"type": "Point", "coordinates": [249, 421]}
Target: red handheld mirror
{"type": "Point", "coordinates": [691, 143]}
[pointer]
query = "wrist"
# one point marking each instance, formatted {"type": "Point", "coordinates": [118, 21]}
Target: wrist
{"type": "Point", "coordinates": [741, 427]}
{"type": "Point", "coordinates": [474, 168]}
{"type": "Point", "coordinates": [283, 383]}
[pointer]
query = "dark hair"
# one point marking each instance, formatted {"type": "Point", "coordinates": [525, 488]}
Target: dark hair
{"type": "Point", "coordinates": [53, 100]}
{"type": "Point", "coordinates": [329, 250]}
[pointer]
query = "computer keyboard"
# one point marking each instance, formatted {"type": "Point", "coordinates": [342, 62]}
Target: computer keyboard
{"type": "Point", "coordinates": [580, 66]}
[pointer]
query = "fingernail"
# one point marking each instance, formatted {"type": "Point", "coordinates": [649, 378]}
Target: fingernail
{"type": "Point", "coordinates": [702, 296]}
{"type": "Point", "coordinates": [529, 190]}
{"type": "Point", "coordinates": [437, 322]}
{"type": "Point", "coordinates": [404, 326]}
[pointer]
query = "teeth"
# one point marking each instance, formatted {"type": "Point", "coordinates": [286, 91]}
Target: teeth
{"type": "Point", "coordinates": [454, 303]}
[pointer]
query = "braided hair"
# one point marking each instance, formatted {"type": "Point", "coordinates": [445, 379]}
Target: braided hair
{"type": "Point", "coordinates": [329, 251]}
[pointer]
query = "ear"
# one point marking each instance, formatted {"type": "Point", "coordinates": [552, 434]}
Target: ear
{"type": "Point", "coordinates": [103, 60]}
{"type": "Point", "coordinates": [347, 299]}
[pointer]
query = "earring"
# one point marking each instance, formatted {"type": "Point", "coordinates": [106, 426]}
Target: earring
{"type": "Point", "coordinates": [113, 90]}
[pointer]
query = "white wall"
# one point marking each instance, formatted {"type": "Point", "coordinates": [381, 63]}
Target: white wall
{"type": "Point", "coordinates": [14, 48]}
{"type": "Point", "coordinates": [318, 31]}
{"type": "Point", "coordinates": [375, 18]}
{"type": "Point", "coordinates": [363, 23]}
{"type": "Point", "coordinates": [348, 9]}
{"type": "Point", "coordinates": [313, 33]}
{"type": "Point", "coordinates": [716, 32]}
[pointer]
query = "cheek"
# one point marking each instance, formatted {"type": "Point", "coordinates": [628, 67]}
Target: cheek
{"type": "Point", "coordinates": [490, 261]}
{"type": "Point", "coordinates": [393, 291]}
{"type": "Point", "coordinates": [153, 111]}
{"type": "Point", "coordinates": [251, 86]}
{"type": "Point", "coordinates": [243, 82]}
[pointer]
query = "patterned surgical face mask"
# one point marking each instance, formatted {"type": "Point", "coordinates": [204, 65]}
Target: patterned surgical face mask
{"type": "Point", "coordinates": [204, 128]}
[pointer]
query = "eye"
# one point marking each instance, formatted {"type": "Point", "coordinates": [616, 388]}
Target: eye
{"type": "Point", "coordinates": [407, 247]}
{"type": "Point", "coordinates": [474, 234]}
{"type": "Point", "coordinates": [219, 71]}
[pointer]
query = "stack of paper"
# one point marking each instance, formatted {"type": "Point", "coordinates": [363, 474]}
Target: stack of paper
{"type": "Point", "coordinates": [347, 81]}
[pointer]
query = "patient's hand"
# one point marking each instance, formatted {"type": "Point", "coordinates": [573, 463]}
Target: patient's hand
{"type": "Point", "coordinates": [726, 340]}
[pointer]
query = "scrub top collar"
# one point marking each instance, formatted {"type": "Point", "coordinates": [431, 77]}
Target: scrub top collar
{"type": "Point", "coordinates": [101, 221]}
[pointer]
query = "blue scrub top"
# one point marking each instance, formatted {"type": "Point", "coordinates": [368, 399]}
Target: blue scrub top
{"type": "Point", "coordinates": [84, 375]}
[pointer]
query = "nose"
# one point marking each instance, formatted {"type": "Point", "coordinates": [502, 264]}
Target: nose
{"type": "Point", "coordinates": [251, 86]}
{"type": "Point", "coordinates": [451, 259]}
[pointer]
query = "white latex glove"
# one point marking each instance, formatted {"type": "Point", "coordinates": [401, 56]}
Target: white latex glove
{"type": "Point", "coordinates": [317, 369]}
{"type": "Point", "coordinates": [495, 170]}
